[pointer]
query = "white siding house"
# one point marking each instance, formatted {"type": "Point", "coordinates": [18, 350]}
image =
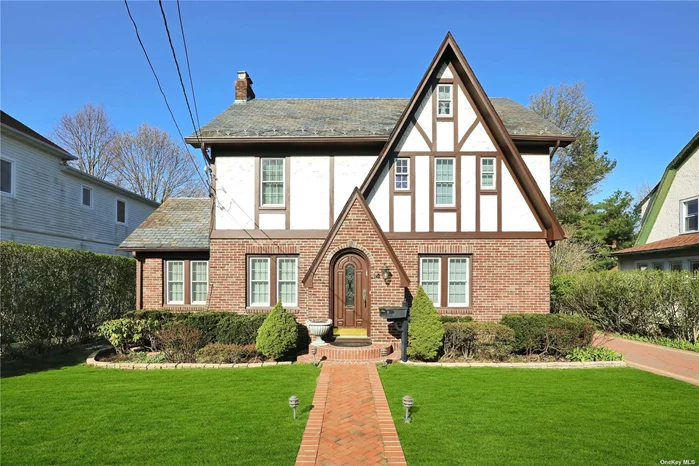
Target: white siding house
{"type": "Point", "coordinates": [44, 201]}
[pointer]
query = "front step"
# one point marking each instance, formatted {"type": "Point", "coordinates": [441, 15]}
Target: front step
{"type": "Point", "coordinates": [350, 331]}
{"type": "Point", "coordinates": [376, 352]}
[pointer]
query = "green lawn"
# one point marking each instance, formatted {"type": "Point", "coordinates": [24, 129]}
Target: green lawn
{"type": "Point", "coordinates": [76, 414]}
{"type": "Point", "coordinates": [544, 417]}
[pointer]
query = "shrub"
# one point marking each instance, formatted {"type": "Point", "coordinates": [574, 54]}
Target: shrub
{"type": "Point", "coordinates": [278, 334]}
{"type": "Point", "coordinates": [445, 319]}
{"type": "Point", "coordinates": [218, 353]}
{"type": "Point", "coordinates": [647, 303]}
{"type": "Point", "coordinates": [179, 342]}
{"type": "Point", "coordinates": [58, 295]}
{"type": "Point", "coordinates": [554, 334]}
{"type": "Point", "coordinates": [593, 353]}
{"type": "Point", "coordinates": [126, 332]}
{"type": "Point", "coordinates": [236, 329]}
{"type": "Point", "coordinates": [157, 315]}
{"type": "Point", "coordinates": [425, 331]}
{"type": "Point", "coordinates": [205, 322]}
{"type": "Point", "coordinates": [486, 340]}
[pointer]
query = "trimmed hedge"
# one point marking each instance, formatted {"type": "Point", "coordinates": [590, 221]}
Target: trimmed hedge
{"type": "Point", "coordinates": [55, 295]}
{"type": "Point", "coordinates": [425, 332]}
{"type": "Point", "coordinates": [555, 334]}
{"type": "Point", "coordinates": [239, 330]}
{"type": "Point", "coordinates": [445, 319]}
{"type": "Point", "coordinates": [279, 333]}
{"type": "Point", "coordinates": [486, 340]}
{"type": "Point", "coordinates": [218, 353]}
{"type": "Point", "coordinates": [649, 303]}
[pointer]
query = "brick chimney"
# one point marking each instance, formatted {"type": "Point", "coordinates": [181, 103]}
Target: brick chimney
{"type": "Point", "coordinates": [243, 88]}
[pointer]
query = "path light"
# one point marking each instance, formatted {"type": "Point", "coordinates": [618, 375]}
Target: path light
{"type": "Point", "coordinates": [314, 351]}
{"type": "Point", "coordinates": [294, 403]}
{"type": "Point", "coordinates": [407, 404]}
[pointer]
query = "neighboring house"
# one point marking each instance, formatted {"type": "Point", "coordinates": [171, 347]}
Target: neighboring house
{"type": "Point", "coordinates": [337, 207]}
{"type": "Point", "coordinates": [45, 201]}
{"type": "Point", "coordinates": [669, 235]}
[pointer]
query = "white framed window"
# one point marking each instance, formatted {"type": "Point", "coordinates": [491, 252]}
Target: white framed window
{"type": "Point", "coordinates": [287, 281]}
{"type": "Point", "coordinates": [690, 215]}
{"type": "Point", "coordinates": [642, 266]}
{"type": "Point", "coordinates": [259, 275]}
{"type": "Point", "coordinates": [272, 180]}
{"type": "Point", "coordinates": [175, 282]}
{"type": "Point", "coordinates": [694, 267]}
{"type": "Point", "coordinates": [7, 176]}
{"type": "Point", "coordinates": [402, 176]}
{"type": "Point", "coordinates": [430, 277]}
{"type": "Point", "coordinates": [86, 196]}
{"type": "Point", "coordinates": [121, 211]}
{"type": "Point", "coordinates": [444, 100]}
{"type": "Point", "coordinates": [658, 265]}
{"type": "Point", "coordinates": [458, 292]}
{"type": "Point", "coordinates": [488, 173]}
{"type": "Point", "coordinates": [444, 182]}
{"type": "Point", "coordinates": [199, 281]}
{"type": "Point", "coordinates": [676, 266]}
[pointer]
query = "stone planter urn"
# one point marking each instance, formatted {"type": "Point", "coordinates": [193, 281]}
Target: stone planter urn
{"type": "Point", "coordinates": [318, 328]}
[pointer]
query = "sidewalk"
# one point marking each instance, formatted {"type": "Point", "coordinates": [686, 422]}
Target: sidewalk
{"type": "Point", "coordinates": [670, 362]}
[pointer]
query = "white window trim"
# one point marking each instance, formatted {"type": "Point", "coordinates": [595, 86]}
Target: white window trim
{"type": "Point", "coordinates": [439, 277]}
{"type": "Point", "coordinates": [191, 283]}
{"type": "Point", "coordinates": [269, 277]}
{"type": "Point", "coordinates": [683, 213]}
{"type": "Point", "coordinates": [495, 174]}
{"type": "Point", "coordinates": [468, 281]}
{"type": "Point", "coordinates": [92, 199]}
{"type": "Point", "coordinates": [395, 175]}
{"type": "Point", "coordinates": [279, 294]}
{"type": "Point", "coordinates": [451, 101]}
{"type": "Point", "coordinates": [453, 182]}
{"type": "Point", "coordinates": [262, 182]}
{"type": "Point", "coordinates": [167, 280]}
{"type": "Point", "coordinates": [13, 177]}
{"type": "Point", "coordinates": [116, 211]}
{"type": "Point", "coordinates": [641, 265]}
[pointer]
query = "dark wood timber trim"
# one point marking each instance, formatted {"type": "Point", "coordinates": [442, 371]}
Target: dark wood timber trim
{"type": "Point", "coordinates": [422, 235]}
{"type": "Point", "coordinates": [258, 182]}
{"type": "Point", "coordinates": [421, 131]}
{"type": "Point", "coordinates": [214, 197]}
{"type": "Point", "coordinates": [165, 250]}
{"type": "Point", "coordinates": [269, 234]}
{"type": "Point", "coordinates": [356, 195]}
{"type": "Point", "coordinates": [285, 140]}
{"type": "Point", "coordinates": [287, 191]}
{"type": "Point", "coordinates": [139, 282]}
{"type": "Point", "coordinates": [432, 193]}
{"type": "Point", "coordinates": [391, 192]}
{"type": "Point", "coordinates": [412, 191]}
{"type": "Point", "coordinates": [433, 147]}
{"type": "Point", "coordinates": [478, 193]}
{"type": "Point", "coordinates": [498, 188]}
{"type": "Point", "coordinates": [331, 216]}
{"type": "Point", "coordinates": [468, 132]}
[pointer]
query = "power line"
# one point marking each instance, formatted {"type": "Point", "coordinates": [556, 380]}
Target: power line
{"type": "Point", "coordinates": [189, 69]}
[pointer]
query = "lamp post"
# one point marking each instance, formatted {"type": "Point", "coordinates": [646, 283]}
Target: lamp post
{"type": "Point", "coordinates": [407, 404]}
{"type": "Point", "coordinates": [294, 403]}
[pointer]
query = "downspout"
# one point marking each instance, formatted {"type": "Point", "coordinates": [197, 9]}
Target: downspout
{"type": "Point", "coordinates": [555, 148]}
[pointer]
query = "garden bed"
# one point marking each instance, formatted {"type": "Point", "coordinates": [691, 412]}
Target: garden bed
{"type": "Point", "coordinates": [107, 358]}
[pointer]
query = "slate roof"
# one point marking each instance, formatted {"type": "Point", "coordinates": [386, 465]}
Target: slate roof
{"type": "Point", "coordinates": [179, 223]}
{"type": "Point", "coordinates": [346, 118]}
{"type": "Point", "coordinates": [675, 242]}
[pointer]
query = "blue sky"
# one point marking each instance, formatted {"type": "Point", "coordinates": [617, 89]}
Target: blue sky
{"type": "Point", "coordinates": [640, 60]}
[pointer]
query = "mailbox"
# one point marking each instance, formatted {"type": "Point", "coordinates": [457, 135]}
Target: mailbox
{"type": "Point", "coordinates": [393, 313]}
{"type": "Point", "coordinates": [400, 316]}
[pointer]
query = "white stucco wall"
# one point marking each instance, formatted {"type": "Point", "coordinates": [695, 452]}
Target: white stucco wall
{"type": "Point", "coordinates": [540, 168]}
{"type": "Point", "coordinates": [402, 213]}
{"type": "Point", "coordinates": [445, 221]}
{"type": "Point", "coordinates": [422, 193]}
{"type": "Point", "coordinates": [466, 113]}
{"type": "Point", "coordinates": [424, 114]}
{"type": "Point", "coordinates": [489, 213]}
{"type": "Point", "coordinates": [350, 172]}
{"type": "Point", "coordinates": [468, 193]}
{"type": "Point", "coordinates": [478, 141]}
{"type": "Point", "coordinates": [685, 185]}
{"type": "Point", "coordinates": [445, 136]}
{"type": "Point", "coordinates": [378, 199]}
{"type": "Point", "coordinates": [310, 192]}
{"type": "Point", "coordinates": [412, 141]}
{"type": "Point", "coordinates": [516, 214]}
{"type": "Point", "coordinates": [272, 221]}
{"type": "Point", "coordinates": [235, 190]}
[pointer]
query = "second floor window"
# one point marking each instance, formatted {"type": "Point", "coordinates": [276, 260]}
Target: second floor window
{"type": "Point", "coordinates": [487, 173]}
{"type": "Point", "coordinates": [272, 183]}
{"type": "Point", "coordinates": [87, 196]}
{"type": "Point", "coordinates": [7, 177]}
{"type": "Point", "coordinates": [444, 182]}
{"type": "Point", "coordinates": [444, 100]}
{"type": "Point", "coordinates": [402, 173]}
{"type": "Point", "coordinates": [120, 211]}
{"type": "Point", "coordinates": [690, 215]}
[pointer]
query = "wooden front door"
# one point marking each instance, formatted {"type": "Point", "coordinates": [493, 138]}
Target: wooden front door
{"type": "Point", "coordinates": [350, 292]}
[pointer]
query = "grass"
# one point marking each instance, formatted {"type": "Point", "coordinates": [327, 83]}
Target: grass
{"type": "Point", "coordinates": [62, 412]}
{"type": "Point", "coordinates": [662, 341]}
{"type": "Point", "coordinates": [545, 417]}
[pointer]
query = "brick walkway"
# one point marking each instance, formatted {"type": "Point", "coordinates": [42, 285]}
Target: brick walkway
{"type": "Point", "coordinates": [679, 364]}
{"type": "Point", "coordinates": [350, 423]}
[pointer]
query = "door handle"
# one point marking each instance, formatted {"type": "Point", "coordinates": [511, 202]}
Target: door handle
{"type": "Point", "coordinates": [364, 296]}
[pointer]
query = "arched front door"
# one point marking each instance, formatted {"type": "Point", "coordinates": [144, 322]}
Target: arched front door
{"type": "Point", "coordinates": [349, 287]}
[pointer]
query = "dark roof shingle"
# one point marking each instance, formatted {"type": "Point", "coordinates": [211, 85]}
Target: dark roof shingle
{"type": "Point", "coordinates": [674, 242]}
{"type": "Point", "coordinates": [346, 118]}
{"type": "Point", "coordinates": [179, 223]}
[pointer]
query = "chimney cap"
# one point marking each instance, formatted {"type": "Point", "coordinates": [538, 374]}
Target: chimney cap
{"type": "Point", "coordinates": [243, 75]}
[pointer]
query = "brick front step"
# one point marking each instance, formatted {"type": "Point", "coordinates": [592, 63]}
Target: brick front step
{"type": "Point", "coordinates": [341, 354]}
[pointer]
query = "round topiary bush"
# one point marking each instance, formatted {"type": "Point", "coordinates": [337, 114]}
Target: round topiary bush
{"type": "Point", "coordinates": [425, 332]}
{"type": "Point", "coordinates": [278, 334]}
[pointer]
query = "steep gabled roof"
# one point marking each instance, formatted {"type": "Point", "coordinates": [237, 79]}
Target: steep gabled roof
{"type": "Point", "coordinates": [662, 189]}
{"type": "Point", "coordinates": [355, 196]}
{"type": "Point", "coordinates": [449, 51]}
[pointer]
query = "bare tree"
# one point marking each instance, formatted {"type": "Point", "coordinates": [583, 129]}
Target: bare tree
{"type": "Point", "coordinates": [642, 191]}
{"type": "Point", "coordinates": [570, 255]}
{"type": "Point", "coordinates": [88, 134]}
{"type": "Point", "coordinates": [151, 164]}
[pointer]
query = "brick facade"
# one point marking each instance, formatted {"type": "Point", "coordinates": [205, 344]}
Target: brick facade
{"type": "Point", "coordinates": [507, 275]}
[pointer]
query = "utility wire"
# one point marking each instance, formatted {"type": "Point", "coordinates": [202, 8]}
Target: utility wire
{"type": "Point", "coordinates": [189, 69]}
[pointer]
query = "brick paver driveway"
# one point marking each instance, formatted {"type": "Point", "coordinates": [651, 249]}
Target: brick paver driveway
{"type": "Point", "coordinates": [679, 364]}
{"type": "Point", "coordinates": [350, 423]}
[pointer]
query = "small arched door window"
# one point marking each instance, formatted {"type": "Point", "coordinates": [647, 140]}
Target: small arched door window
{"type": "Point", "coordinates": [349, 285]}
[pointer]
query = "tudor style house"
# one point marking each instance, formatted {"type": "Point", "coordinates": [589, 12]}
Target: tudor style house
{"type": "Point", "coordinates": [669, 235]}
{"type": "Point", "coordinates": [337, 207]}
